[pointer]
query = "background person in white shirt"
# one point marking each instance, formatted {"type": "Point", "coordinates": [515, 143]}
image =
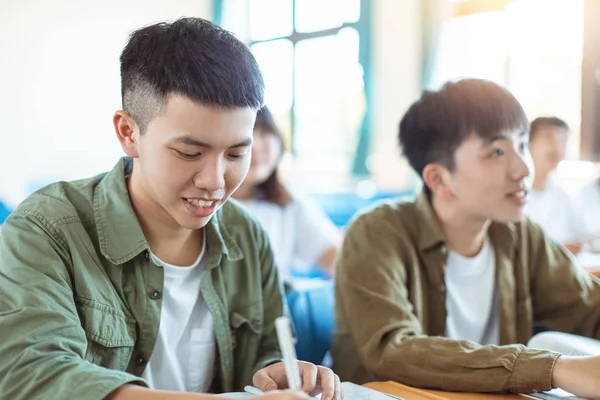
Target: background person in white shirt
{"type": "Point", "coordinates": [588, 204]}
{"type": "Point", "coordinates": [549, 205]}
{"type": "Point", "coordinates": [299, 230]}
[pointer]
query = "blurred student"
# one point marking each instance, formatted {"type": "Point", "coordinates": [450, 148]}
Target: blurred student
{"type": "Point", "coordinates": [548, 203]}
{"type": "Point", "coordinates": [299, 230]}
{"type": "Point", "coordinates": [443, 292]}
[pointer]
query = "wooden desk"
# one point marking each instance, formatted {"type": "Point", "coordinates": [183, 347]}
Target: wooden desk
{"type": "Point", "coordinates": [409, 393]}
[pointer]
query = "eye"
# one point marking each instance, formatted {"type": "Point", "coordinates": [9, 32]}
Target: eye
{"type": "Point", "coordinates": [237, 156]}
{"type": "Point", "coordinates": [524, 147]}
{"type": "Point", "coordinates": [497, 153]}
{"type": "Point", "coordinates": [187, 156]}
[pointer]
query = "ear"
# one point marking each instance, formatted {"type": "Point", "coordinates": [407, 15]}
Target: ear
{"type": "Point", "coordinates": [437, 178]}
{"type": "Point", "coordinates": [127, 132]}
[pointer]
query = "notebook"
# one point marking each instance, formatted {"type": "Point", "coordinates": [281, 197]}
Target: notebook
{"type": "Point", "coordinates": [351, 391]}
{"type": "Point", "coordinates": [553, 395]}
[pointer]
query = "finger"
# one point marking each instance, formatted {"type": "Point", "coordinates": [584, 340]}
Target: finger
{"type": "Point", "coordinates": [327, 380]}
{"type": "Point", "coordinates": [263, 381]}
{"type": "Point", "coordinates": [309, 374]}
{"type": "Point", "coordinates": [339, 392]}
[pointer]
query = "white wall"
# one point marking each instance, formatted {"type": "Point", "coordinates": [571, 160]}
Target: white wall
{"type": "Point", "coordinates": [59, 84]}
{"type": "Point", "coordinates": [396, 65]}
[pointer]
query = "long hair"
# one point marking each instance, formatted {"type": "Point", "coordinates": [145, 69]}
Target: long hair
{"type": "Point", "coordinates": [272, 189]}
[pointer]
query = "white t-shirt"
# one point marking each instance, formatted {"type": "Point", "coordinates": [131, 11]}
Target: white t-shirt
{"type": "Point", "coordinates": [299, 232]}
{"type": "Point", "coordinates": [555, 211]}
{"type": "Point", "coordinates": [588, 205]}
{"type": "Point", "coordinates": [471, 298]}
{"type": "Point", "coordinates": [183, 359]}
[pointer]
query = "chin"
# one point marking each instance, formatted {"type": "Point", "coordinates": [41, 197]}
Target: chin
{"type": "Point", "coordinates": [510, 218]}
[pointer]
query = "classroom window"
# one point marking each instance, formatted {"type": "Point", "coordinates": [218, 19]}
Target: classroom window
{"type": "Point", "coordinates": [310, 54]}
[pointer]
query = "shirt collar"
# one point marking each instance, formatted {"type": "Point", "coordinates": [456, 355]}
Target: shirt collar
{"type": "Point", "coordinates": [430, 235]}
{"type": "Point", "coordinates": [120, 234]}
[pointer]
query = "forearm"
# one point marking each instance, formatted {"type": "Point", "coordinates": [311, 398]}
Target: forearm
{"type": "Point", "coordinates": [327, 260]}
{"type": "Point", "coordinates": [453, 365]}
{"type": "Point", "coordinates": [133, 392]}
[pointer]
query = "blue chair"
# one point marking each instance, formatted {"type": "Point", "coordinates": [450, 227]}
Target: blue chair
{"type": "Point", "coordinates": [4, 211]}
{"type": "Point", "coordinates": [312, 313]}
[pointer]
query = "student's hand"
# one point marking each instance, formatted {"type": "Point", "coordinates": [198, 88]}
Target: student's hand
{"type": "Point", "coordinates": [578, 375]}
{"type": "Point", "coordinates": [283, 395]}
{"type": "Point", "coordinates": [315, 380]}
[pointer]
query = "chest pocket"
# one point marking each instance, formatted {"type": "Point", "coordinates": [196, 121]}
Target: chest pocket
{"type": "Point", "coordinates": [110, 334]}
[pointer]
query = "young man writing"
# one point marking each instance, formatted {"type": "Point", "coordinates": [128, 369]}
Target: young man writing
{"type": "Point", "coordinates": [443, 292]}
{"type": "Point", "coordinates": [148, 275]}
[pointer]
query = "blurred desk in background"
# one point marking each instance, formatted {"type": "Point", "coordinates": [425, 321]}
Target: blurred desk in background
{"type": "Point", "coordinates": [590, 262]}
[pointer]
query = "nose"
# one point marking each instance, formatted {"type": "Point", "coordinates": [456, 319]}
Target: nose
{"type": "Point", "coordinates": [522, 166]}
{"type": "Point", "coordinates": [211, 176]}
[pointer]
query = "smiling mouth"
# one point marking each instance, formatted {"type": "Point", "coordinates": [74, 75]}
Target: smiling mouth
{"type": "Point", "coordinates": [520, 194]}
{"type": "Point", "coordinates": [201, 203]}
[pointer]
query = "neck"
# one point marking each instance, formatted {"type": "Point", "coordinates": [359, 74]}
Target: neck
{"type": "Point", "coordinates": [168, 241]}
{"type": "Point", "coordinates": [464, 234]}
{"type": "Point", "coordinates": [540, 181]}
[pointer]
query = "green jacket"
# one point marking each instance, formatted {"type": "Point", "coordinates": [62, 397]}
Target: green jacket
{"type": "Point", "coordinates": [391, 304]}
{"type": "Point", "coordinates": [80, 297]}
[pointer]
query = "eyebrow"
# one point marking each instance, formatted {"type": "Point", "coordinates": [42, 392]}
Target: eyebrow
{"type": "Point", "coordinates": [195, 142]}
{"type": "Point", "coordinates": [489, 140]}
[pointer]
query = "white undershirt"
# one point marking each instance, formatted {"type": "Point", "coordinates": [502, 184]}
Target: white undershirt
{"type": "Point", "coordinates": [471, 300]}
{"type": "Point", "coordinates": [555, 211]}
{"type": "Point", "coordinates": [184, 355]}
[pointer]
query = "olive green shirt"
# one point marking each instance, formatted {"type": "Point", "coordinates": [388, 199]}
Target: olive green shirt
{"type": "Point", "coordinates": [391, 304]}
{"type": "Point", "coordinates": [80, 297]}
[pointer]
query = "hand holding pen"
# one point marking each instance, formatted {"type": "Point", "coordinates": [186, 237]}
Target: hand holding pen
{"type": "Point", "coordinates": [307, 377]}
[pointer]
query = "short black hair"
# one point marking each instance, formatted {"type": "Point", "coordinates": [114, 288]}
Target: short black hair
{"type": "Point", "coordinates": [539, 122]}
{"type": "Point", "coordinates": [191, 57]}
{"type": "Point", "coordinates": [437, 124]}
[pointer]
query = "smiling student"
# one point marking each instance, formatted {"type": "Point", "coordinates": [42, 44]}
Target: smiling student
{"type": "Point", "coordinates": [146, 281]}
{"type": "Point", "coordinates": [458, 277]}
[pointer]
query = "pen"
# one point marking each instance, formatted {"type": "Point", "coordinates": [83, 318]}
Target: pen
{"type": "Point", "coordinates": [286, 345]}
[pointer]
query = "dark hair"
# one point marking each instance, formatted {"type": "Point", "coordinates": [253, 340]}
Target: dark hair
{"type": "Point", "coordinates": [539, 122]}
{"type": "Point", "coordinates": [272, 189]}
{"type": "Point", "coordinates": [437, 124]}
{"type": "Point", "coordinates": [191, 57]}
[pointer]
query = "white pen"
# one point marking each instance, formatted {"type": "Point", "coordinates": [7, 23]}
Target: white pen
{"type": "Point", "coordinates": [288, 351]}
{"type": "Point", "coordinates": [253, 390]}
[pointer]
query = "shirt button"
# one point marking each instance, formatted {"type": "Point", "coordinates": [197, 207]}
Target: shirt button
{"type": "Point", "coordinates": [155, 295]}
{"type": "Point", "coordinates": [147, 254]}
{"type": "Point", "coordinates": [141, 360]}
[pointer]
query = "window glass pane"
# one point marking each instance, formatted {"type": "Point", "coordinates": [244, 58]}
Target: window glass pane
{"type": "Point", "coordinates": [276, 62]}
{"type": "Point", "coordinates": [475, 46]}
{"type": "Point", "coordinates": [546, 50]}
{"type": "Point", "coordinates": [270, 19]}
{"type": "Point", "coordinates": [330, 100]}
{"type": "Point", "coordinates": [315, 15]}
